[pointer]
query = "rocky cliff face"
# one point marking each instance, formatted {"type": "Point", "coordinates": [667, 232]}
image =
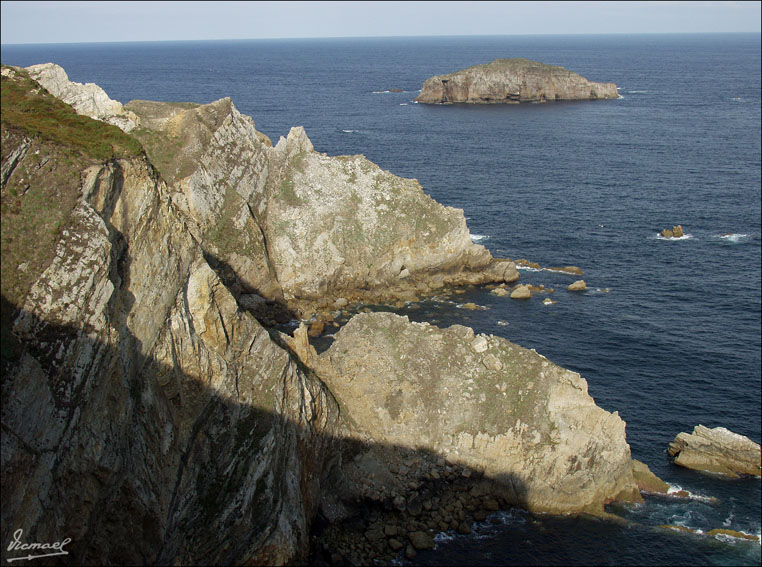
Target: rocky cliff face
{"type": "Point", "coordinates": [145, 415]}
{"type": "Point", "coordinates": [512, 81]}
{"type": "Point", "coordinates": [482, 403]}
{"type": "Point", "coordinates": [150, 417]}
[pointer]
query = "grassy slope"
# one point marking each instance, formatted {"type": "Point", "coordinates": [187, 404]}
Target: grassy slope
{"type": "Point", "coordinates": [37, 198]}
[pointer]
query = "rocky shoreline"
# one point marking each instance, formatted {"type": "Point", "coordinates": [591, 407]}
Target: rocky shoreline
{"type": "Point", "coordinates": [186, 419]}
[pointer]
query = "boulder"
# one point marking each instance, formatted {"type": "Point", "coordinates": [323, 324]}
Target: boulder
{"type": "Point", "coordinates": [500, 292]}
{"type": "Point", "coordinates": [579, 285]}
{"type": "Point", "coordinates": [521, 292]}
{"type": "Point", "coordinates": [421, 540]}
{"type": "Point", "coordinates": [317, 328]}
{"type": "Point", "coordinates": [716, 450]}
{"type": "Point", "coordinates": [509, 81]}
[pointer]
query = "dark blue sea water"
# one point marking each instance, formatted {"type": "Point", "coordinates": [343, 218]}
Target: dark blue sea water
{"type": "Point", "coordinates": [674, 342]}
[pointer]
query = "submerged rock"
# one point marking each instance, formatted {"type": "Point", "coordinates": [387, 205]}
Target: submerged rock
{"type": "Point", "coordinates": [716, 450]}
{"type": "Point", "coordinates": [512, 81]}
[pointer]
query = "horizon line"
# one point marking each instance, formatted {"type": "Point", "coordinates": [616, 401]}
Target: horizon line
{"type": "Point", "coordinates": [377, 37]}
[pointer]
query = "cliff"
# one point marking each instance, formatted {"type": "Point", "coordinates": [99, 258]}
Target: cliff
{"type": "Point", "coordinates": [145, 416]}
{"type": "Point", "coordinates": [506, 81]}
{"type": "Point", "coordinates": [148, 412]}
{"type": "Point", "coordinates": [482, 403]}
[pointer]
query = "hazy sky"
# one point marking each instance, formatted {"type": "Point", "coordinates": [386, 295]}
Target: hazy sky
{"type": "Point", "coordinates": [64, 22]}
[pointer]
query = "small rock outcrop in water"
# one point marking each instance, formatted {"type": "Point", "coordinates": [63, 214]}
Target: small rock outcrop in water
{"type": "Point", "coordinates": [512, 81]}
{"type": "Point", "coordinates": [716, 450]}
{"type": "Point", "coordinates": [521, 292]}
{"type": "Point", "coordinates": [674, 232]}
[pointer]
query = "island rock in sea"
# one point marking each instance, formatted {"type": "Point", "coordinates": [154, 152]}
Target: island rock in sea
{"type": "Point", "coordinates": [716, 450]}
{"type": "Point", "coordinates": [512, 81]}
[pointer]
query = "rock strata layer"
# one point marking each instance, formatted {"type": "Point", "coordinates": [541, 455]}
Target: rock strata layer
{"type": "Point", "coordinates": [506, 81]}
{"type": "Point", "coordinates": [716, 450]}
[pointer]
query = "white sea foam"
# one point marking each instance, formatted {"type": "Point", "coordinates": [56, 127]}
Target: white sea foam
{"type": "Point", "coordinates": [350, 131]}
{"type": "Point", "coordinates": [443, 537]}
{"type": "Point", "coordinates": [527, 268]}
{"type": "Point", "coordinates": [403, 104]}
{"type": "Point", "coordinates": [683, 237]}
{"type": "Point", "coordinates": [673, 488]}
{"type": "Point", "coordinates": [733, 237]}
{"type": "Point", "coordinates": [731, 539]}
{"type": "Point", "coordinates": [478, 237]}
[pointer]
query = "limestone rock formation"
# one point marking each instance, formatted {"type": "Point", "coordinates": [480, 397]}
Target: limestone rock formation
{"type": "Point", "coordinates": [512, 81]}
{"type": "Point", "coordinates": [88, 99]}
{"type": "Point", "coordinates": [483, 403]}
{"type": "Point", "coordinates": [336, 225]}
{"type": "Point", "coordinates": [150, 417]}
{"type": "Point", "coordinates": [145, 416]}
{"type": "Point", "coordinates": [286, 222]}
{"type": "Point", "coordinates": [578, 285]}
{"type": "Point", "coordinates": [716, 450]}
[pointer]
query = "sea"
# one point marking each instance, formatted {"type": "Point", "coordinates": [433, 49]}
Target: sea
{"type": "Point", "coordinates": [667, 332]}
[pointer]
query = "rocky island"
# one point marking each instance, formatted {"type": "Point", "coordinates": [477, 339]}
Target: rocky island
{"type": "Point", "coordinates": [153, 413]}
{"type": "Point", "coordinates": [511, 81]}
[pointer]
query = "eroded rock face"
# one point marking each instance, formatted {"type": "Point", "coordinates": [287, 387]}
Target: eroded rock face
{"type": "Point", "coordinates": [716, 450]}
{"type": "Point", "coordinates": [512, 81]}
{"type": "Point", "coordinates": [288, 222]}
{"type": "Point", "coordinates": [484, 403]}
{"type": "Point", "coordinates": [342, 223]}
{"type": "Point", "coordinates": [217, 163]}
{"type": "Point", "coordinates": [88, 99]}
{"type": "Point", "coordinates": [145, 416]}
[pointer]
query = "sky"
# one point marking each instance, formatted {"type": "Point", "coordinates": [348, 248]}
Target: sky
{"type": "Point", "coordinates": [71, 22]}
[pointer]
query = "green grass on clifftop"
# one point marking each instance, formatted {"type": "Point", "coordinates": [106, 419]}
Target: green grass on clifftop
{"type": "Point", "coordinates": [28, 106]}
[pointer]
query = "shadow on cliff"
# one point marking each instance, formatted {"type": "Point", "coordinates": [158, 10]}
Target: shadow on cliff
{"type": "Point", "coordinates": [271, 312]}
{"type": "Point", "coordinates": [148, 465]}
